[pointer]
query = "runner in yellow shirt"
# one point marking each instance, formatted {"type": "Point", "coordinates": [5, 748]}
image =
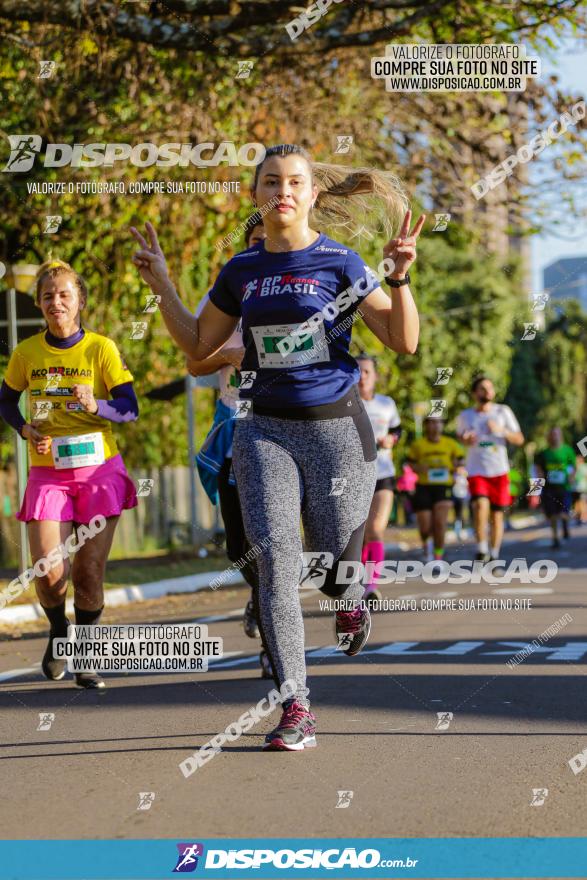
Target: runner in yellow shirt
{"type": "Point", "coordinates": [77, 384]}
{"type": "Point", "coordinates": [435, 458]}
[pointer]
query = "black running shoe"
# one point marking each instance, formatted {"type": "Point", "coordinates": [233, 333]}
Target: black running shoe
{"type": "Point", "coordinates": [352, 630]}
{"type": "Point", "coordinates": [53, 669]}
{"type": "Point", "coordinates": [295, 731]}
{"type": "Point", "coordinates": [91, 681]}
{"type": "Point", "coordinates": [250, 624]}
{"type": "Point", "coordinates": [482, 557]}
{"type": "Point", "coordinates": [265, 665]}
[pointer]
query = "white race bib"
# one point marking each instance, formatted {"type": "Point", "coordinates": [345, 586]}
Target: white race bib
{"type": "Point", "coordinates": [438, 475]}
{"type": "Point", "coordinates": [78, 451]}
{"type": "Point", "coordinates": [311, 350]}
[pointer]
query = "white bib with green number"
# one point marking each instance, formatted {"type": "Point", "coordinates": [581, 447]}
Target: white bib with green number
{"type": "Point", "coordinates": [559, 478]}
{"type": "Point", "coordinates": [438, 475]}
{"type": "Point", "coordinates": [309, 349]}
{"type": "Point", "coordinates": [81, 450]}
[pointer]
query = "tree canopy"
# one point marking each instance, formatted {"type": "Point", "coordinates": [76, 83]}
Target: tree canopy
{"type": "Point", "coordinates": [257, 27]}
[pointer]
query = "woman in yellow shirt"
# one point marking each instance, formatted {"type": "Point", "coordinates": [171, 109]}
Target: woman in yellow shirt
{"type": "Point", "coordinates": [77, 384]}
{"type": "Point", "coordinates": [435, 459]}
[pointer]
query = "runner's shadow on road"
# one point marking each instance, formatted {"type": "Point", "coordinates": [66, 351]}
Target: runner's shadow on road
{"type": "Point", "coordinates": [256, 740]}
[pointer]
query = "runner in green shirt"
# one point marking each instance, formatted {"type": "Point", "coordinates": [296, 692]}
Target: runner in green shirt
{"type": "Point", "coordinates": [556, 465]}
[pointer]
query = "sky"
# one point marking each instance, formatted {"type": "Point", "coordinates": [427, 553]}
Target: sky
{"type": "Point", "coordinates": [571, 66]}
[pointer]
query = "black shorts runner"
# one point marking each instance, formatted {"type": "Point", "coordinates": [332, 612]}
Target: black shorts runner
{"type": "Point", "coordinates": [385, 483]}
{"type": "Point", "coordinates": [426, 497]}
{"type": "Point", "coordinates": [555, 500]}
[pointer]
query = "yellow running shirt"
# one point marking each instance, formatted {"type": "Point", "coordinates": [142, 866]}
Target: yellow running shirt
{"type": "Point", "coordinates": [440, 460]}
{"type": "Point", "coordinates": [48, 374]}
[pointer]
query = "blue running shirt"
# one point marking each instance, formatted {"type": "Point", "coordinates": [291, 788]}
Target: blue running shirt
{"type": "Point", "coordinates": [275, 293]}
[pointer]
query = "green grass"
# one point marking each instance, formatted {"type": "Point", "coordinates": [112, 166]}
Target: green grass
{"type": "Point", "coordinates": [126, 573]}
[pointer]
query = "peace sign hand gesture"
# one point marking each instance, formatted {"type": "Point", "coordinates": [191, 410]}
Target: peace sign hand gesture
{"type": "Point", "coordinates": [150, 260]}
{"type": "Point", "coordinates": [402, 250]}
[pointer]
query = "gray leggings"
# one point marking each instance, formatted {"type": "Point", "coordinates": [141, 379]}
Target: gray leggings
{"type": "Point", "coordinates": [285, 468]}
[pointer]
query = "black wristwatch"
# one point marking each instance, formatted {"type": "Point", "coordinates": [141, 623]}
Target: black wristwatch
{"type": "Point", "coordinates": [398, 282]}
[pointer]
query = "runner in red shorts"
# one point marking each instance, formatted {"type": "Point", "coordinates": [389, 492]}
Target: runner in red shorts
{"type": "Point", "coordinates": [486, 429]}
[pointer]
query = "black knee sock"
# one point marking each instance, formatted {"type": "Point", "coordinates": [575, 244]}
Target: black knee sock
{"type": "Point", "coordinates": [87, 618]}
{"type": "Point", "coordinates": [57, 619]}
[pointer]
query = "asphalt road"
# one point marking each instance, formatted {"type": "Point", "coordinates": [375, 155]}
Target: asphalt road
{"type": "Point", "coordinates": [411, 774]}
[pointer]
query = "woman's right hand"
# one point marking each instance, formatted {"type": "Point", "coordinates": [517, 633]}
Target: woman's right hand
{"type": "Point", "coordinates": [150, 260]}
{"type": "Point", "coordinates": [41, 442]}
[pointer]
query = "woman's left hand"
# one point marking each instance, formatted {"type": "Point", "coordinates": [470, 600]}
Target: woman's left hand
{"type": "Point", "coordinates": [85, 395]}
{"type": "Point", "coordinates": [402, 250]}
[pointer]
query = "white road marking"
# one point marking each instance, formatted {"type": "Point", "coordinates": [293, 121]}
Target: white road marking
{"type": "Point", "coordinates": [239, 658]}
{"type": "Point", "coordinates": [570, 651]}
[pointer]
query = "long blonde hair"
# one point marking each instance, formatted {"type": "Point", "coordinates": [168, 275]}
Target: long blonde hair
{"type": "Point", "coordinates": [350, 198]}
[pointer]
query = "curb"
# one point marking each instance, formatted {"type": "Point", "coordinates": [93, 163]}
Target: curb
{"type": "Point", "coordinates": [191, 583]}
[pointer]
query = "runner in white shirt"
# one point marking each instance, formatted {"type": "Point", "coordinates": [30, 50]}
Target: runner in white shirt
{"type": "Point", "coordinates": [486, 429]}
{"type": "Point", "coordinates": [385, 422]}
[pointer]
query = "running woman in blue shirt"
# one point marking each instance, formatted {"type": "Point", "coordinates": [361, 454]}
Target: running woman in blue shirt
{"type": "Point", "coordinates": [305, 446]}
{"type": "Point", "coordinates": [214, 460]}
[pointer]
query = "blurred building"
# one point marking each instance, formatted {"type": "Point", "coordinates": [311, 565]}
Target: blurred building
{"type": "Point", "coordinates": [567, 279]}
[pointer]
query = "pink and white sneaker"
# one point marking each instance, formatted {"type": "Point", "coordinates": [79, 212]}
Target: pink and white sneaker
{"type": "Point", "coordinates": [295, 731]}
{"type": "Point", "coordinates": [352, 630]}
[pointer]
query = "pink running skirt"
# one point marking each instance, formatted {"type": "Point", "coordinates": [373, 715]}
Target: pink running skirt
{"type": "Point", "coordinates": [78, 494]}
